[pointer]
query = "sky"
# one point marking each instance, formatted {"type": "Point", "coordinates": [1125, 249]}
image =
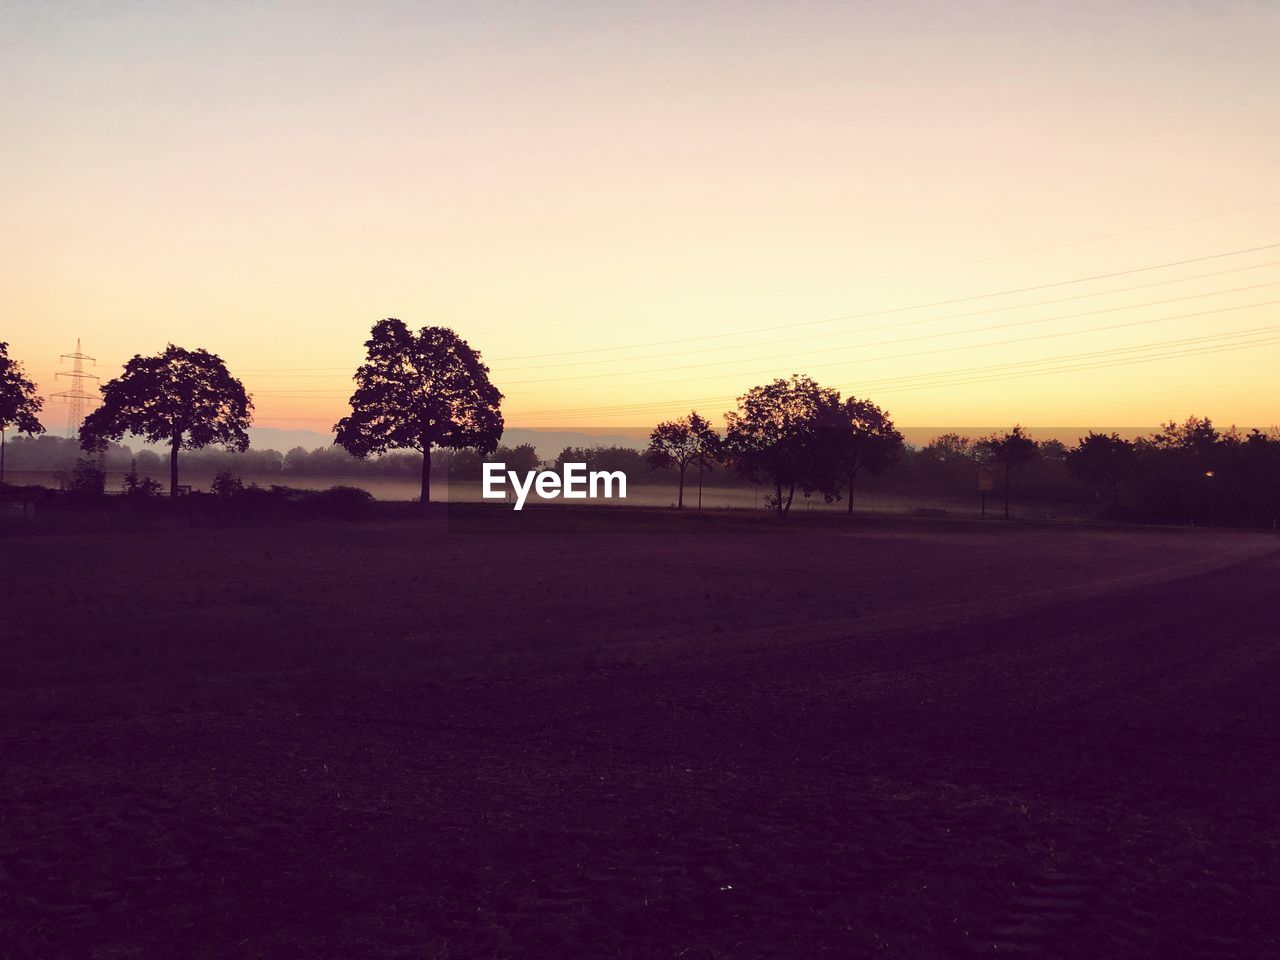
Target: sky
{"type": "Point", "coordinates": [971, 213]}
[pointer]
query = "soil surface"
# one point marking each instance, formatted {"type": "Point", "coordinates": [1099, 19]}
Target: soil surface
{"type": "Point", "coordinates": [700, 740]}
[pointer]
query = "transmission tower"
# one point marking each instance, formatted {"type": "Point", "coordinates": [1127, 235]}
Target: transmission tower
{"type": "Point", "coordinates": [77, 397]}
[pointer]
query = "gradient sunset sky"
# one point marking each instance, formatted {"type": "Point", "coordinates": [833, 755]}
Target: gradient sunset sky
{"type": "Point", "coordinates": [632, 209]}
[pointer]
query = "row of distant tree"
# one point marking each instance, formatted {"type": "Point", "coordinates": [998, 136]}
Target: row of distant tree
{"type": "Point", "coordinates": [52, 454]}
{"type": "Point", "coordinates": [794, 435]}
{"type": "Point", "coordinates": [423, 401]}
{"type": "Point", "coordinates": [1184, 472]}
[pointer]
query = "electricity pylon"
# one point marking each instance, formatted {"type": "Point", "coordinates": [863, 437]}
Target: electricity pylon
{"type": "Point", "coordinates": [77, 397]}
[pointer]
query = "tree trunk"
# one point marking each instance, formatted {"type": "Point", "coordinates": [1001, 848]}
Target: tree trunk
{"type": "Point", "coordinates": [1008, 473]}
{"type": "Point", "coordinates": [680, 494]}
{"type": "Point", "coordinates": [1, 454]}
{"type": "Point", "coordinates": [791, 495]}
{"type": "Point", "coordinates": [425, 496]}
{"type": "Point", "coordinates": [849, 505]}
{"type": "Point", "coordinates": [699, 483]}
{"type": "Point", "coordinates": [777, 495]}
{"type": "Point", "coordinates": [173, 465]}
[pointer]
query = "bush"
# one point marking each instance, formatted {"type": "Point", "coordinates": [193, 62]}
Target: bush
{"type": "Point", "coordinates": [86, 481]}
{"type": "Point", "coordinates": [340, 502]}
{"type": "Point", "coordinates": [139, 487]}
{"type": "Point", "coordinates": [226, 484]}
{"type": "Point", "coordinates": [20, 493]}
{"type": "Point", "coordinates": [281, 503]}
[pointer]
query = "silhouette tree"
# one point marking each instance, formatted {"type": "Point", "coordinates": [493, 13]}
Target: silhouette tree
{"type": "Point", "coordinates": [1012, 450]}
{"type": "Point", "coordinates": [865, 441]}
{"type": "Point", "coordinates": [185, 399]}
{"type": "Point", "coordinates": [1257, 470]}
{"type": "Point", "coordinates": [609, 459]}
{"type": "Point", "coordinates": [679, 443]}
{"type": "Point", "coordinates": [1180, 469]}
{"type": "Point", "coordinates": [946, 462]}
{"type": "Point", "coordinates": [948, 448]}
{"type": "Point", "coordinates": [1053, 451]}
{"type": "Point", "coordinates": [774, 437]}
{"type": "Point", "coordinates": [522, 458]}
{"type": "Point", "coordinates": [1195, 436]}
{"type": "Point", "coordinates": [419, 391]}
{"type": "Point", "coordinates": [1103, 460]}
{"type": "Point", "coordinates": [19, 404]}
{"type": "Point", "coordinates": [469, 464]}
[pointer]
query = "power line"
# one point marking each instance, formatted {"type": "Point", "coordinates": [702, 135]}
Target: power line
{"type": "Point", "coordinates": [794, 339]}
{"type": "Point", "coordinates": [904, 309]}
{"type": "Point", "coordinates": [913, 339]}
{"type": "Point", "coordinates": [1166, 355]}
{"type": "Point", "coordinates": [1041, 365]}
{"type": "Point", "coordinates": [1192, 347]}
{"type": "Point", "coordinates": [1076, 243]}
{"type": "Point", "coordinates": [324, 394]}
{"type": "Point", "coordinates": [1270, 329]}
{"type": "Point", "coordinates": [868, 314]}
{"type": "Point", "coordinates": [911, 323]}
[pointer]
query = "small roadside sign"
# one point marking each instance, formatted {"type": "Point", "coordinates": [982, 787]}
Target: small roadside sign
{"type": "Point", "coordinates": [986, 478]}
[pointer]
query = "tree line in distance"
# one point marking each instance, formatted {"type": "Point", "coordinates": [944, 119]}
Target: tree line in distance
{"type": "Point", "coordinates": [424, 401]}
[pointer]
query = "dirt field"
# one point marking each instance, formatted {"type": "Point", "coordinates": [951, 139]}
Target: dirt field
{"type": "Point", "coordinates": [635, 735]}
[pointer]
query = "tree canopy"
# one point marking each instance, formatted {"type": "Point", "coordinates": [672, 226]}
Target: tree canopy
{"type": "Point", "coordinates": [1102, 460]}
{"type": "Point", "coordinates": [417, 391]}
{"type": "Point", "coordinates": [1196, 436]}
{"type": "Point", "coordinates": [1013, 450]}
{"type": "Point", "coordinates": [19, 404]}
{"type": "Point", "coordinates": [679, 443]}
{"type": "Point", "coordinates": [184, 399]}
{"type": "Point", "coordinates": [864, 441]}
{"type": "Point", "coordinates": [774, 438]}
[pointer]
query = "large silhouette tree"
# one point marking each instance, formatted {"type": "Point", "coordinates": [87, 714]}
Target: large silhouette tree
{"type": "Point", "coordinates": [865, 441]}
{"type": "Point", "coordinates": [19, 404]}
{"type": "Point", "coordinates": [184, 399]}
{"type": "Point", "coordinates": [775, 437]}
{"type": "Point", "coordinates": [418, 391]}
{"type": "Point", "coordinates": [680, 443]}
